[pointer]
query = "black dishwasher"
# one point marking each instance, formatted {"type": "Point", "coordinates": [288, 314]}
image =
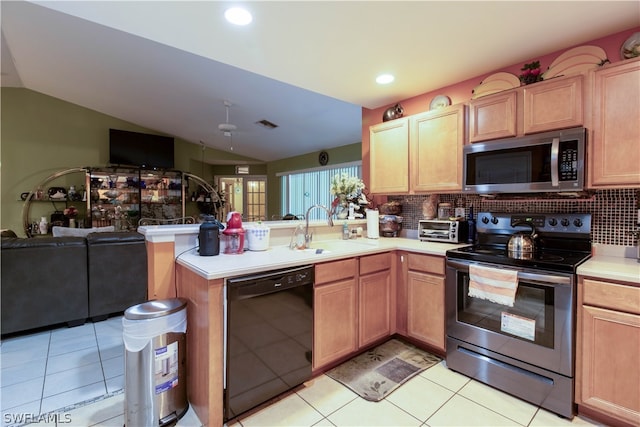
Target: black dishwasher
{"type": "Point", "coordinates": [269, 331]}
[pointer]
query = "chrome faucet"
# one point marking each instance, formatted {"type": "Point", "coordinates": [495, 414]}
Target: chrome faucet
{"type": "Point", "coordinates": [307, 236]}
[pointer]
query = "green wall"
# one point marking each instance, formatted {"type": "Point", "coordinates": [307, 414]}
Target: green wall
{"type": "Point", "coordinates": [41, 135]}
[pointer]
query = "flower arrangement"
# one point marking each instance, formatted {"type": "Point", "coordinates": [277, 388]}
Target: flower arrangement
{"type": "Point", "coordinates": [345, 185]}
{"type": "Point", "coordinates": [71, 212]}
{"type": "Point", "coordinates": [531, 73]}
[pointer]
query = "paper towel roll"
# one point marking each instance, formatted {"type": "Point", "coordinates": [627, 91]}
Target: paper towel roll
{"type": "Point", "coordinates": [373, 225]}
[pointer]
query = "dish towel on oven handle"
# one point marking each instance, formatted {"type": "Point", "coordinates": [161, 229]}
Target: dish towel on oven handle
{"type": "Point", "coordinates": [494, 284]}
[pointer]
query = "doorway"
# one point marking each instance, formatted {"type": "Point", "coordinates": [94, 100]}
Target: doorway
{"type": "Point", "coordinates": [246, 194]}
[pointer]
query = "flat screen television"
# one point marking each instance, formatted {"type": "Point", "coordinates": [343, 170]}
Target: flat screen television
{"type": "Point", "coordinates": [128, 148]}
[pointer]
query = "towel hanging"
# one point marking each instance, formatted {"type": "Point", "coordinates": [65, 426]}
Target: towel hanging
{"type": "Point", "coordinates": [497, 285]}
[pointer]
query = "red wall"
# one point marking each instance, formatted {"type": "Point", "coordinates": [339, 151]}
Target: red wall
{"type": "Point", "coordinates": [461, 92]}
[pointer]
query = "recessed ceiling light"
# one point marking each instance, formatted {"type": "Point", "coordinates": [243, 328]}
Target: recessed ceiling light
{"type": "Point", "coordinates": [238, 16]}
{"type": "Point", "coordinates": [384, 79]}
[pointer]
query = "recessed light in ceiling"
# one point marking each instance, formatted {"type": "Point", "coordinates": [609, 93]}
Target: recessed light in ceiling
{"type": "Point", "coordinates": [384, 79]}
{"type": "Point", "coordinates": [238, 16]}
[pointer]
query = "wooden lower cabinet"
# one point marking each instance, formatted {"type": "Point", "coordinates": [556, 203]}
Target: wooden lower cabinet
{"type": "Point", "coordinates": [335, 311]}
{"type": "Point", "coordinates": [425, 308]}
{"type": "Point", "coordinates": [608, 350]}
{"type": "Point", "coordinates": [375, 302]}
{"type": "Point", "coordinates": [421, 299]}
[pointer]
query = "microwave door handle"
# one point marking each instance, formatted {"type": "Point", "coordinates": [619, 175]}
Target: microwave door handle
{"type": "Point", "coordinates": [555, 152]}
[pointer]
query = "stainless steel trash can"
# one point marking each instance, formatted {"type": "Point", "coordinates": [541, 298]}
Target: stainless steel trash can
{"type": "Point", "coordinates": [155, 362]}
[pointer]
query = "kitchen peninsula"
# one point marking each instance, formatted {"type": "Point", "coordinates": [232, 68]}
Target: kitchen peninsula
{"type": "Point", "coordinates": [415, 272]}
{"type": "Point", "coordinates": [202, 281]}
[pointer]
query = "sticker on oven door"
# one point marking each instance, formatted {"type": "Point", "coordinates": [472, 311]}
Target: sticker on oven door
{"type": "Point", "coordinates": [518, 326]}
{"type": "Point", "coordinates": [166, 367]}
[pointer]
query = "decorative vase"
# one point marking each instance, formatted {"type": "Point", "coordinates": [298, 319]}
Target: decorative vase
{"type": "Point", "coordinates": [72, 223]}
{"type": "Point", "coordinates": [429, 207]}
{"type": "Point", "coordinates": [342, 208]}
{"type": "Point", "coordinates": [43, 226]}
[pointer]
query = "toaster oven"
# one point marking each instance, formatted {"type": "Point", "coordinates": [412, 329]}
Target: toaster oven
{"type": "Point", "coordinates": [443, 230]}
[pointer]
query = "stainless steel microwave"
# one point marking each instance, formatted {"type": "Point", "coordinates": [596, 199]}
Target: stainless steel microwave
{"type": "Point", "coordinates": [545, 162]}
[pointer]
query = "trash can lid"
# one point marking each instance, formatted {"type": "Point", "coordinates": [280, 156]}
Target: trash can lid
{"type": "Point", "coordinates": [155, 308]}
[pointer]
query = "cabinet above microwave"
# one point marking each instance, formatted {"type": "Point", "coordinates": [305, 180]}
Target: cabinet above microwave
{"type": "Point", "coordinates": [538, 107]}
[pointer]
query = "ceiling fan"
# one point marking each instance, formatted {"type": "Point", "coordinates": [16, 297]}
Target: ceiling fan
{"type": "Point", "coordinates": [227, 128]}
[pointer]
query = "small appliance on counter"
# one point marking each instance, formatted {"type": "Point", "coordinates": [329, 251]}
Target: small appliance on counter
{"type": "Point", "coordinates": [390, 225]}
{"type": "Point", "coordinates": [209, 236]}
{"type": "Point", "coordinates": [443, 230]}
{"type": "Point", "coordinates": [258, 237]}
{"type": "Point", "coordinates": [233, 235]}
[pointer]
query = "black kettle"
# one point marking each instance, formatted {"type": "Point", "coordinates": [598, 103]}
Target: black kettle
{"type": "Point", "coordinates": [209, 236]}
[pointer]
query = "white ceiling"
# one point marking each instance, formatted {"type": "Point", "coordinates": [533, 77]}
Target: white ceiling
{"type": "Point", "coordinates": [307, 66]}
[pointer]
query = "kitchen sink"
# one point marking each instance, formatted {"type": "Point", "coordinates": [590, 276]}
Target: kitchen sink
{"type": "Point", "coordinates": [329, 246]}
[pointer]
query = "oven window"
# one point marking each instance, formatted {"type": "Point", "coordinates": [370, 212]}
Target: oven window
{"type": "Point", "coordinates": [530, 319]}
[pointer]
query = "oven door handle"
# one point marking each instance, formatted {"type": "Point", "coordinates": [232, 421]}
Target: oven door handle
{"type": "Point", "coordinates": [544, 279]}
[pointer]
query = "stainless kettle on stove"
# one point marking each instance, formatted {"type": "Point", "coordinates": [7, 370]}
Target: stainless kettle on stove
{"type": "Point", "coordinates": [522, 245]}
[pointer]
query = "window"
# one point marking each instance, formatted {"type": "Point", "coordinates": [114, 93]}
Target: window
{"type": "Point", "coordinates": [302, 189]}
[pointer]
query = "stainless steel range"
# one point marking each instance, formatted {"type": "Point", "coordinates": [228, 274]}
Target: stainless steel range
{"type": "Point", "coordinates": [511, 315]}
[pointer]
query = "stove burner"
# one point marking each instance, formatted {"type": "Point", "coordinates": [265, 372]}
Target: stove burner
{"type": "Point", "coordinates": [557, 249]}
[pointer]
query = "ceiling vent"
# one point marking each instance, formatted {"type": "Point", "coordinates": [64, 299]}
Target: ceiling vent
{"type": "Point", "coordinates": [267, 124]}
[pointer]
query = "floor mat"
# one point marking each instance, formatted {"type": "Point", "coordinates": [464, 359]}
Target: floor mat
{"type": "Point", "coordinates": [375, 373]}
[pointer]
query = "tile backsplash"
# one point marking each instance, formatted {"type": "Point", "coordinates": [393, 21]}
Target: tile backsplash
{"type": "Point", "coordinates": [614, 212]}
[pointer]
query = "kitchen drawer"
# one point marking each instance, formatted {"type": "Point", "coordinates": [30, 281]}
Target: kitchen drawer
{"type": "Point", "coordinates": [373, 263]}
{"type": "Point", "coordinates": [335, 270]}
{"type": "Point", "coordinates": [426, 263]}
{"type": "Point", "coordinates": [611, 295]}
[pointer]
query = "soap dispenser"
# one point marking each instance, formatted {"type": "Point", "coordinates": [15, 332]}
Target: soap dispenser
{"type": "Point", "coordinates": [299, 236]}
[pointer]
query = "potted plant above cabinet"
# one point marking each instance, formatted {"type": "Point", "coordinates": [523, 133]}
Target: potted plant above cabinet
{"type": "Point", "coordinates": [418, 154]}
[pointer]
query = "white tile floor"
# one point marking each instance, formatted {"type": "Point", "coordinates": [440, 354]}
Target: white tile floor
{"type": "Point", "coordinates": [52, 370]}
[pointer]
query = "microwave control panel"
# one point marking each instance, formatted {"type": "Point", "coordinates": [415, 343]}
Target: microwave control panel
{"type": "Point", "coordinates": [568, 161]}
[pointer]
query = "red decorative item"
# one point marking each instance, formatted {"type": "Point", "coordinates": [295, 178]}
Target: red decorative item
{"type": "Point", "coordinates": [531, 73]}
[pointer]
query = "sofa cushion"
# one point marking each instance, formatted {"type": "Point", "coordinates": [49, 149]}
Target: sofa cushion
{"type": "Point", "coordinates": [115, 237]}
{"type": "Point", "coordinates": [117, 272]}
{"type": "Point", "coordinates": [41, 242]}
{"type": "Point", "coordinates": [44, 282]}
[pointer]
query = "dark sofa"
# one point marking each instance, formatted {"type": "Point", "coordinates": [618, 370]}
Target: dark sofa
{"type": "Point", "coordinates": [48, 281]}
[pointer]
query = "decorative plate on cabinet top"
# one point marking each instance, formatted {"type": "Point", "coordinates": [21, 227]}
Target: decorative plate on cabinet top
{"type": "Point", "coordinates": [439, 102]}
{"type": "Point", "coordinates": [575, 61]}
{"type": "Point", "coordinates": [631, 47]}
{"type": "Point", "coordinates": [495, 83]}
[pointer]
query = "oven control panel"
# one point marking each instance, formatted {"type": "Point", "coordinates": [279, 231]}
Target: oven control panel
{"type": "Point", "coordinates": [546, 222]}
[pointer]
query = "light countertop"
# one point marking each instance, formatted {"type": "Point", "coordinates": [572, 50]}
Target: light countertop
{"type": "Point", "coordinates": [611, 268]}
{"type": "Point", "coordinates": [609, 262]}
{"type": "Point", "coordinates": [276, 257]}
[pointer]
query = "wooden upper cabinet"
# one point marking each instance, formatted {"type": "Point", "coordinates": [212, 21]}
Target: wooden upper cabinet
{"type": "Point", "coordinates": [389, 157]}
{"type": "Point", "coordinates": [493, 117]}
{"type": "Point", "coordinates": [436, 139]}
{"type": "Point", "coordinates": [538, 107]}
{"type": "Point", "coordinates": [554, 104]}
{"type": "Point", "coordinates": [614, 151]}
